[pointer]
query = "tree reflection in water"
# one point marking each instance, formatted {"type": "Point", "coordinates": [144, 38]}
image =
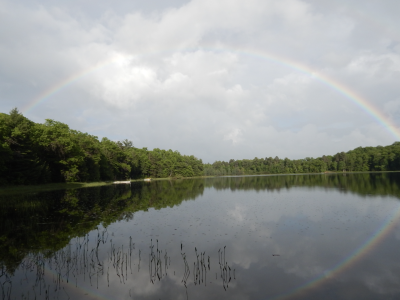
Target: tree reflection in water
{"type": "Point", "coordinates": [59, 245]}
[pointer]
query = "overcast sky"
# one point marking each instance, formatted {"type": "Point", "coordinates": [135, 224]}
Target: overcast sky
{"type": "Point", "coordinates": [218, 79]}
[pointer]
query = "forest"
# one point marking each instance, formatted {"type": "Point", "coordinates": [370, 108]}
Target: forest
{"type": "Point", "coordinates": [35, 153]}
{"type": "Point", "coordinates": [361, 159]}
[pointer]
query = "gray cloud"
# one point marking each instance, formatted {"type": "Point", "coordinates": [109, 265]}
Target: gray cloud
{"type": "Point", "coordinates": [219, 80]}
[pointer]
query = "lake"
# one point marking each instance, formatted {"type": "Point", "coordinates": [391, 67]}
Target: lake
{"type": "Point", "coordinates": [322, 236]}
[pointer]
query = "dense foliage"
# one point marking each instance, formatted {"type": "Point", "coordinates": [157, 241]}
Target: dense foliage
{"type": "Point", "coordinates": [33, 153]}
{"type": "Point", "coordinates": [358, 160]}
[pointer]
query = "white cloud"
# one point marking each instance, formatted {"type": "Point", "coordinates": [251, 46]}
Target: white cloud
{"type": "Point", "coordinates": [186, 77]}
{"type": "Point", "coordinates": [238, 213]}
{"type": "Point", "coordinates": [377, 66]}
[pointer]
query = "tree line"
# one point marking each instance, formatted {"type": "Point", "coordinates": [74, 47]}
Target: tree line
{"type": "Point", "coordinates": [34, 153]}
{"type": "Point", "coordinates": [361, 159]}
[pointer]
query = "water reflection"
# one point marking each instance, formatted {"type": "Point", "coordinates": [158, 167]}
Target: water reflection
{"type": "Point", "coordinates": [307, 237]}
{"type": "Point", "coordinates": [70, 271]}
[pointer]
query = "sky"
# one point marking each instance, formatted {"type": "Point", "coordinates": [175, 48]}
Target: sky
{"type": "Point", "coordinates": [219, 80]}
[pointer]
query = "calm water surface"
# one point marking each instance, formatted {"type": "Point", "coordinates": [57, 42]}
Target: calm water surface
{"type": "Point", "coordinates": [262, 237]}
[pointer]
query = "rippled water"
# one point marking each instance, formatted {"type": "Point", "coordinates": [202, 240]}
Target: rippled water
{"type": "Point", "coordinates": [262, 237]}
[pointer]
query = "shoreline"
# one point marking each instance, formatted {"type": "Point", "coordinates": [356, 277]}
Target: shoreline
{"type": "Point", "coordinates": [26, 189]}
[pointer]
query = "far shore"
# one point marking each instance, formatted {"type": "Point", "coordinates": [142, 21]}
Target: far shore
{"type": "Point", "coordinates": [26, 189]}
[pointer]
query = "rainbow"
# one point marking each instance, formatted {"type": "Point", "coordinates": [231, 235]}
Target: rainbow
{"type": "Point", "coordinates": [83, 290]}
{"type": "Point", "coordinates": [387, 226]}
{"type": "Point", "coordinates": [359, 253]}
{"type": "Point", "coordinates": [354, 257]}
{"type": "Point", "coordinates": [330, 82]}
{"type": "Point", "coordinates": [88, 293]}
{"type": "Point", "coordinates": [66, 82]}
